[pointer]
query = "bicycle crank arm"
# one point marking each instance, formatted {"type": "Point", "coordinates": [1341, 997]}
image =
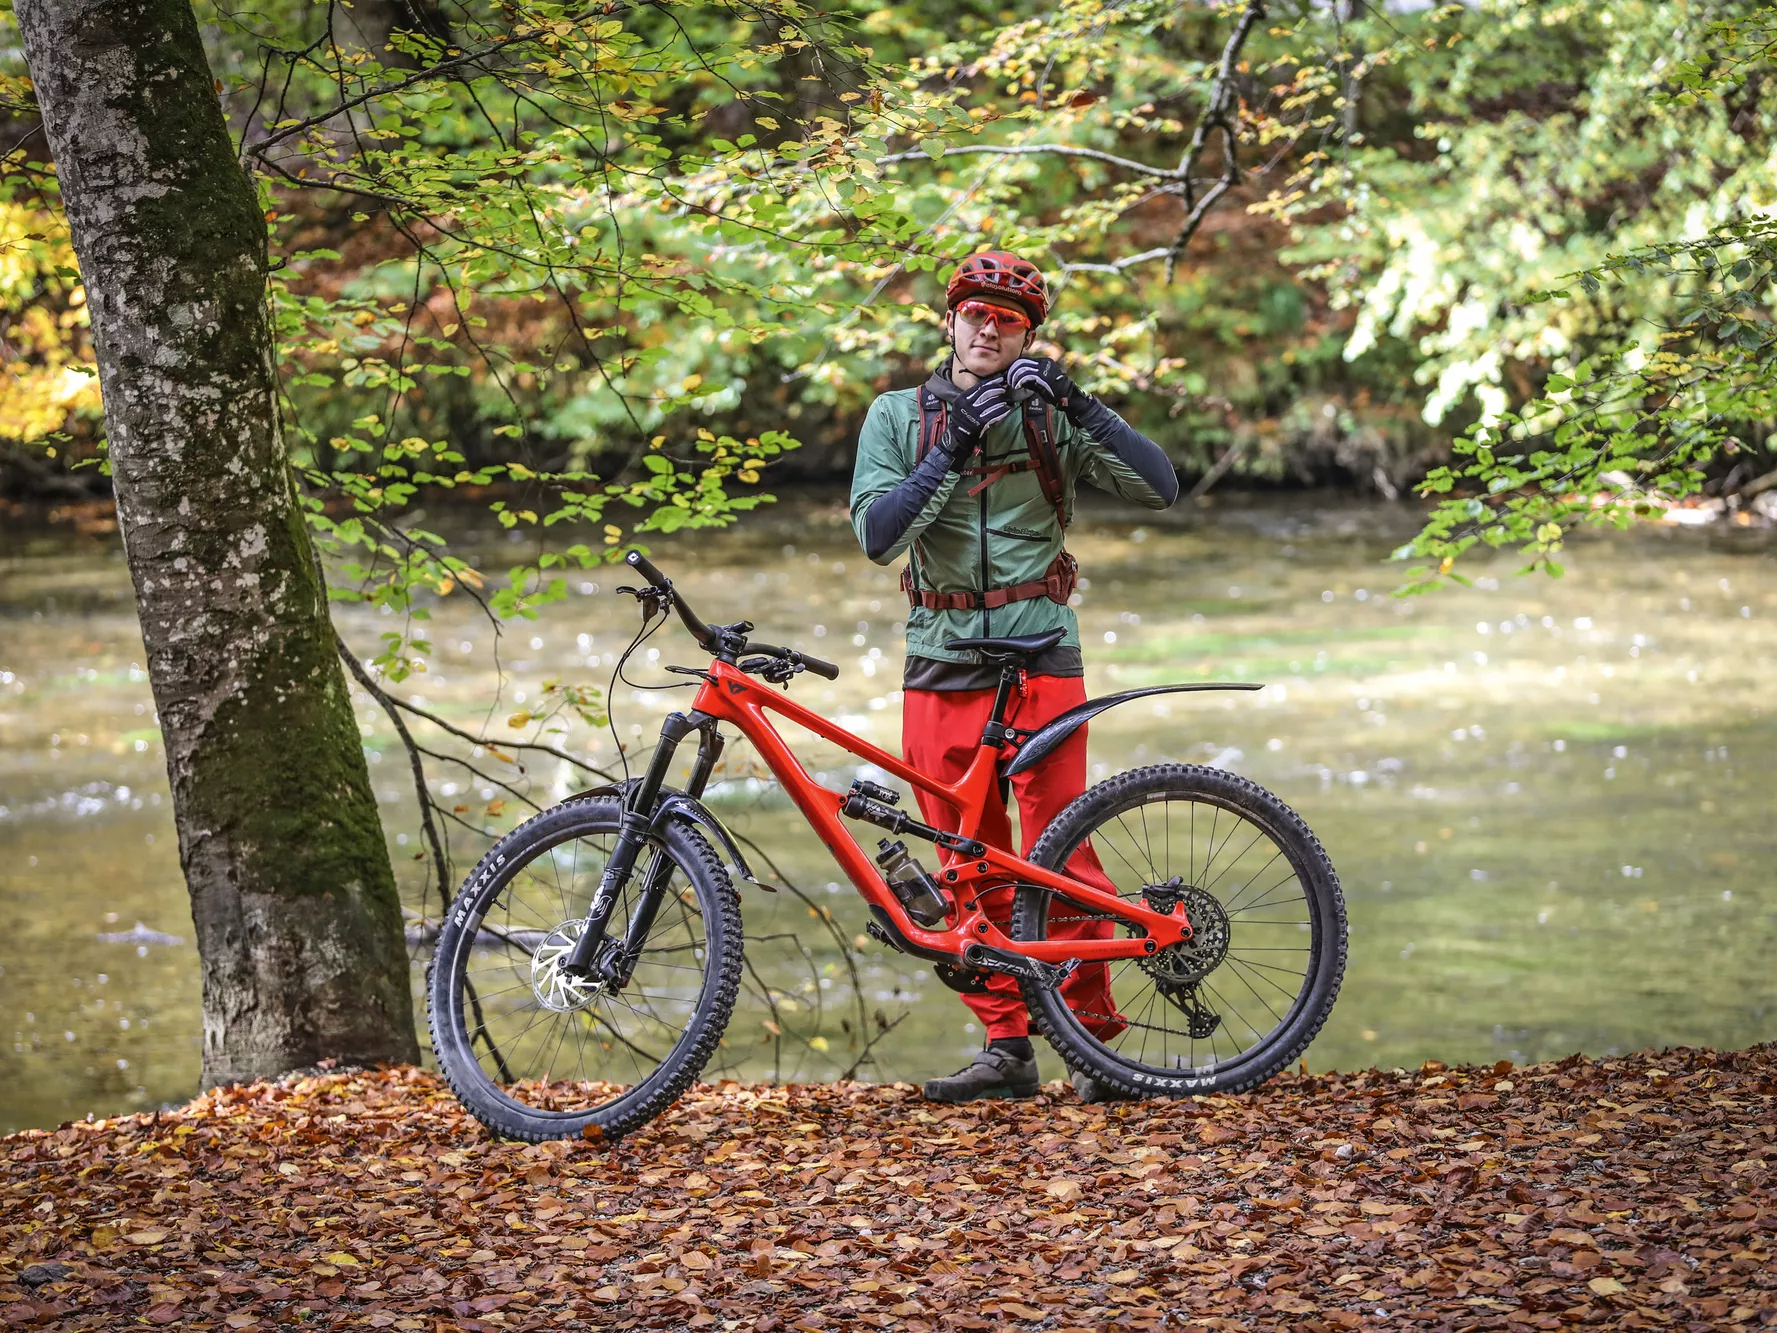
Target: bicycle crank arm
{"type": "Point", "coordinates": [986, 958]}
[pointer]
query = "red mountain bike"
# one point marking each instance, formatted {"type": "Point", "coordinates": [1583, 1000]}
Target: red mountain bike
{"type": "Point", "coordinates": [590, 962]}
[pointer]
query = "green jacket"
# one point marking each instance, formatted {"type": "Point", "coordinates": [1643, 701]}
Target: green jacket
{"type": "Point", "coordinates": [1007, 534]}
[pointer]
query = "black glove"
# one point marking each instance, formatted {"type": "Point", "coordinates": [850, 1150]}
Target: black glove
{"type": "Point", "coordinates": [1044, 378]}
{"type": "Point", "coordinates": [973, 414]}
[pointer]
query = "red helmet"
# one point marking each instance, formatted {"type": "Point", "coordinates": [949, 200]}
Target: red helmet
{"type": "Point", "coordinates": [1000, 273]}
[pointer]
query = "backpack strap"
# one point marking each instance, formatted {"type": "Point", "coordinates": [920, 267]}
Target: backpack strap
{"type": "Point", "coordinates": [1045, 456]}
{"type": "Point", "coordinates": [933, 420]}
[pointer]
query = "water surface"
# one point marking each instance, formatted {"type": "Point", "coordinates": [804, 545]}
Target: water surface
{"type": "Point", "coordinates": [1547, 800]}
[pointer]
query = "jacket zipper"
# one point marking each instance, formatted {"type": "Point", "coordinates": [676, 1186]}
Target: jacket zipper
{"type": "Point", "coordinates": [986, 628]}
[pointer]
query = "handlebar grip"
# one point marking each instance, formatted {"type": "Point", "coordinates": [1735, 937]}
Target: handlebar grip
{"type": "Point", "coordinates": [819, 667]}
{"type": "Point", "coordinates": [640, 563]}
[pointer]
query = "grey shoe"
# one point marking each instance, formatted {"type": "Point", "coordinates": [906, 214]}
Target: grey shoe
{"type": "Point", "coordinates": [1095, 1090]}
{"type": "Point", "coordinates": [990, 1074]}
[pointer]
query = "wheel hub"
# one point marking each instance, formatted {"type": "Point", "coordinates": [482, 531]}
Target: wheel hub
{"type": "Point", "coordinates": [1189, 961]}
{"type": "Point", "coordinates": [558, 991]}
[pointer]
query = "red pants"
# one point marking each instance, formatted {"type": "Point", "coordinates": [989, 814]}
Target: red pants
{"type": "Point", "coordinates": [940, 732]}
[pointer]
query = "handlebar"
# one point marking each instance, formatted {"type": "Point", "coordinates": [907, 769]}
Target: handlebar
{"type": "Point", "coordinates": [722, 639]}
{"type": "Point", "coordinates": [814, 664]}
{"type": "Point", "coordinates": [705, 636]}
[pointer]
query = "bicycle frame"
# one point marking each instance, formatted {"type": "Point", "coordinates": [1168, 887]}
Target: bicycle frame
{"type": "Point", "coordinates": [730, 695]}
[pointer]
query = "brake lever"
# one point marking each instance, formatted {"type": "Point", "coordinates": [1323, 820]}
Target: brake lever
{"type": "Point", "coordinates": [652, 599]}
{"type": "Point", "coordinates": [776, 670]}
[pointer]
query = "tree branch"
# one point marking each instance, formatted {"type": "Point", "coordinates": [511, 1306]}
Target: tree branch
{"type": "Point", "coordinates": [1222, 113]}
{"type": "Point", "coordinates": [473, 739]}
{"type": "Point", "coordinates": [419, 76]}
{"type": "Point", "coordinates": [440, 862]}
{"type": "Point", "coordinates": [1031, 150]}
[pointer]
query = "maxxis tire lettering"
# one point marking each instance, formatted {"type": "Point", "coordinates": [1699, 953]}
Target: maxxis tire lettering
{"type": "Point", "coordinates": [644, 1101]}
{"type": "Point", "coordinates": [1048, 1010]}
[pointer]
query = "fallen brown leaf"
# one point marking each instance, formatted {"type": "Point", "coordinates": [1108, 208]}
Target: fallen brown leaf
{"type": "Point", "coordinates": [1622, 1193]}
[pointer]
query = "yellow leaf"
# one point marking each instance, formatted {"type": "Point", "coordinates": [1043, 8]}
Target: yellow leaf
{"type": "Point", "coordinates": [343, 1259]}
{"type": "Point", "coordinates": [690, 382]}
{"type": "Point", "coordinates": [519, 718]}
{"type": "Point", "coordinates": [773, 1028]}
{"type": "Point", "coordinates": [1606, 1286]}
{"type": "Point", "coordinates": [818, 1043]}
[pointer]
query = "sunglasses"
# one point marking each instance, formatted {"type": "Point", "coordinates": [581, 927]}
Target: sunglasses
{"type": "Point", "coordinates": [984, 312]}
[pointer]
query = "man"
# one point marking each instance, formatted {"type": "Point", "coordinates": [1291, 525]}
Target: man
{"type": "Point", "coordinates": [978, 492]}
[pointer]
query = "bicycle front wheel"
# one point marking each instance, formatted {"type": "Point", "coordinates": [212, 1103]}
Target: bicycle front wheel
{"type": "Point", "coordinates": [535, 1053]}
{"type": "Point", "coordinates": [1226, 1009]}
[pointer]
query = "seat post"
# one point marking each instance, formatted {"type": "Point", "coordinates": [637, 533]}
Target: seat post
{"type": "Point", "coordinates": [1008, 679]}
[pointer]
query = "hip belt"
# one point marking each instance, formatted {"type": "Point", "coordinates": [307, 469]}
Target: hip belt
{"type": "Point", "coordinates": [1057, 584]}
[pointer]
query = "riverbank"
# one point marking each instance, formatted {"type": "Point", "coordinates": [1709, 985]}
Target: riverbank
{"type": "Point", "coordinates": [1623, 1193]}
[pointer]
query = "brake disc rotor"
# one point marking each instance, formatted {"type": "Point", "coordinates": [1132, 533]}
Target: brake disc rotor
{"type": "Point", "coordinates": [555, 989]}
{"type": "Point", "coordinates": [1188, 962]}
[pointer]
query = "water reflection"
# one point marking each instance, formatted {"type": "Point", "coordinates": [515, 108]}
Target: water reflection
{"type": "Point", "coordinates": [1545, 799]}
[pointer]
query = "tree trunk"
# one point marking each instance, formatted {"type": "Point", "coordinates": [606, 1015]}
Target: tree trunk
{"type": "Point", "coordinates": [298, 924]}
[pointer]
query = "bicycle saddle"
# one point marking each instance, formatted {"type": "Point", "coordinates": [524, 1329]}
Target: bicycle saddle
{"type": "Point", "coordinates": [1011, 648]}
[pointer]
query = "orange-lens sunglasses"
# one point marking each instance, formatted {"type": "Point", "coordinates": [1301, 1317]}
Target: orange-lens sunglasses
{"type": "Point", "coordinates": [984, 312]}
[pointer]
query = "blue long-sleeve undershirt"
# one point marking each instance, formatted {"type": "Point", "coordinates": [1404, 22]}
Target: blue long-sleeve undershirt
{"type": "Point", "coordinates": [892, 513]}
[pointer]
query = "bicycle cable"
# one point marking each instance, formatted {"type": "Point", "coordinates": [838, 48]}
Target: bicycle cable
{"type": "Point", "coordinates": [649, 627]}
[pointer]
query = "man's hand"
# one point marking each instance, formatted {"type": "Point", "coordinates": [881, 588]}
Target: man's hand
{"type": "Point", "coordinates": [1043, 377]}
{"type": "Point", "coordinates": [974, 413]}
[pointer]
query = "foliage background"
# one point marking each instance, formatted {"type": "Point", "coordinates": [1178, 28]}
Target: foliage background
{"type": "Point", "coordinates": [1365, 292]}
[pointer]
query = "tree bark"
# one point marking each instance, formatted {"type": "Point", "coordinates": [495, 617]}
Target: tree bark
{"type": "Point", "coordinates": [292, 894]}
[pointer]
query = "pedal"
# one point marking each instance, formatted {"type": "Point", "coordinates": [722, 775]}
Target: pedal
{"type": "Point", "coordinates": [880, 935]}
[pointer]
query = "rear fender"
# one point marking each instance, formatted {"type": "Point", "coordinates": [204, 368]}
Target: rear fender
{"type": "Point", "coordinates": [1042, 742]}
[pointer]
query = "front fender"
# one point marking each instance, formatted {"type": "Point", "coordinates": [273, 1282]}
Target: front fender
{"type": "Point", "coordinates": [677, 805]}
{"type": "Point", "coordinates": [1043, 741]}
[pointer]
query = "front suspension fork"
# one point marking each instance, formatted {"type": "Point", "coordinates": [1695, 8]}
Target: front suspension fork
{"type": "Point", "coordinates": [590, 958]}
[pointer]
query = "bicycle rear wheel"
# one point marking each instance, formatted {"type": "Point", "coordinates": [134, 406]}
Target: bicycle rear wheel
{"type": "Point", "coordinates": [537, 1054]}
{"type": "Point", "coordinates": [1228, 1008]}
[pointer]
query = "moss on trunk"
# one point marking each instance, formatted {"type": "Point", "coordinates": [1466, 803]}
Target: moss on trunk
{"type": "Point", "coordinates": [298, 924]}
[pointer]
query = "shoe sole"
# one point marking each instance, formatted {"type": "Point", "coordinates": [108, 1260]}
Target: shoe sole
{"type": "Point", "coordinates": [1010, 1091]}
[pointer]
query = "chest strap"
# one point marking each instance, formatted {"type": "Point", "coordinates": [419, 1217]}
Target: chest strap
{"type": "Point", "coordinates": [1057, 584]}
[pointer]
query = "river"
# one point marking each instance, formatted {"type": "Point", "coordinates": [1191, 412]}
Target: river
{"type": "Point", "coordinates": [1547, 799]}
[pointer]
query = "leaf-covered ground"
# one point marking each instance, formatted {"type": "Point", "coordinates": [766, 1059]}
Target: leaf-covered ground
{"type": "Point", "coordinates": [1627, 1193]}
